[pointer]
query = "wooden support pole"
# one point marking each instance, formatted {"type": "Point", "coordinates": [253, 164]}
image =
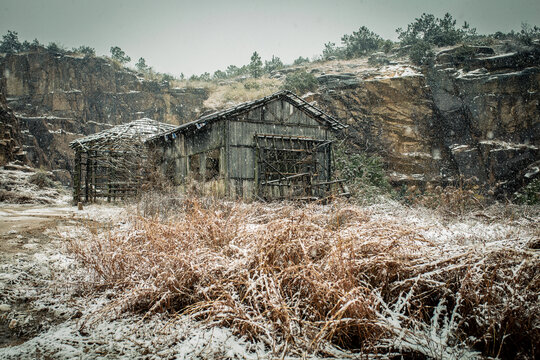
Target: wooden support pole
{"type": "Point", "coordinates": [87, 195]}
{"type": "Point", "coordinates": [77, 178]}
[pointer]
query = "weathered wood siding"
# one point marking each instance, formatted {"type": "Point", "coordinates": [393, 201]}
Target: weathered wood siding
{"type": "Point", "coordinates": [186, 156]}
{"type": "Point", "coordinates": [277, 118]}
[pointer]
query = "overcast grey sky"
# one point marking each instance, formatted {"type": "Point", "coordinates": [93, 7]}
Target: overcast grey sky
{"type": "Point", "coordinates": [206, 35]}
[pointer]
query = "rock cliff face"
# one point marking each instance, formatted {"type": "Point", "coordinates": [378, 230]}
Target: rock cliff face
{"type": "Point", "coordinates": [392, 116]}
{"type": "Point", "coordinates": [10, 135]}
{"type": "Point", "coordinates": [477, 118]}
{"type": "Point", "coordinates": [473, 113]}
{"type": "Point", "coordinates": [489, 114]}
{"type": "Point", "coordinates": [60, 97]}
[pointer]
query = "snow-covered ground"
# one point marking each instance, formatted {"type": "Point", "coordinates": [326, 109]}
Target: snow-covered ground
{"type": "Point", "coordinates": [51, 307]}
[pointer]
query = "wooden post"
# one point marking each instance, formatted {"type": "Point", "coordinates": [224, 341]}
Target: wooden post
{"type": "Point", "coordinates": [77, 178]}
{"type": "Point", "coordinates": [227, 158]}
{"type": "Point", "coordinates": [87, 194]}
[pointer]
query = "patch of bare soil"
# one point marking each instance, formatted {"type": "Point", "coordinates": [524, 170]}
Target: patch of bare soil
{"type": "Point", "coordinates": [27, 256]}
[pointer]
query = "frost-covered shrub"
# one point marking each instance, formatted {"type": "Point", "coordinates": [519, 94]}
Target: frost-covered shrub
{"type": "Point", "coordinates": [457, 199]}
{"type": "Point", "coordinates": [529, 194]}
{"type": "Point", "coordinates": [41, 179]}
{"type": "Point", "coordinates": [328, 280]}
{"type": "Point", "coordinates": [364, 174]}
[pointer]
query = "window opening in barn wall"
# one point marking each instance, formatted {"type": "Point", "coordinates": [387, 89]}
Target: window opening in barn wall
{"type": "Point", "coordinates": [195, 166]}
{"type": "Point", "coordinates": [212, 165]}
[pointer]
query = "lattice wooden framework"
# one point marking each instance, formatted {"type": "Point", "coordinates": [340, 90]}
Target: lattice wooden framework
{"type": "Point", "coordinates": [112, 164]}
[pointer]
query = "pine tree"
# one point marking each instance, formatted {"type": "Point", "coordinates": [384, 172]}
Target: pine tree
{"type": "Point", "coordinates": [10, 43]}
{"type": "Point", "coordinates": [255, 66]}
{"type": "Point", "coordinates": [119, 55]}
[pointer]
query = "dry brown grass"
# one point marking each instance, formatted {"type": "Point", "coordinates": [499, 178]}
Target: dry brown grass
{"type": "Point", "coordinates": [318, 279]}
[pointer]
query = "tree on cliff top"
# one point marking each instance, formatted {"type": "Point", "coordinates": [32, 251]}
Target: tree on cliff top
{"type": "Point", "coordinates": [432, 30]}
{"type": "Point", "coordinates": [255, 66]}
{"type": "Point", "coordinates": [119, 55]}
{"type": "Point", "coordinates": [273, 65]}
{"type": "Point", "coordinates": [10, 43]}
{"type": "Point", "coordinates": [360, 42]}
{"type": "Point", "coordinates": [141, 65]}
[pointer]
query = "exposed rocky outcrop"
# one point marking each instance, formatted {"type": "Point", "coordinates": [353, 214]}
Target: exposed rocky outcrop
{"type": "Point", "coordinates": [60, 97]}
{"type": "Point", "coordinates": [389, 115]}
{"type": "Point", "coordinates": [489, 113]}
{"type": "Point", "coordinates": [10, 135]}
{"type": "Point", "coordinates": [474, 115]}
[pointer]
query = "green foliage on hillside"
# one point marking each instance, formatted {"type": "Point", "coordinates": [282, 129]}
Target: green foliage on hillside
{"type": "Point", "coordinates": [435, 31]}
{"type": "Point", "coordinates": [10, 43]}
{"type": "Point", "coordinates": [141, 65]}
{"type": "Point", "coordinates": [119, 55]}
{"type": "Point", "coordinates": [255, 66]}
{"type": "Point", "coordinates": [360, 43]}
{"type": "Point", "coordinates": [273, 65]}
{"type": "Point", "coordinates": [428, 31]}
{"type": "Point", "coordinates": [55, 47]}
{"type": "Point", "coordinates": [529, 194]}
{"type": "Point", "coordinates": [300, 82]}
{"type": "Point", "coordinates": [420, 53]}
{"type": "Point", "coordinates": [301, 60]}
{"type": "Point", "coordinates": [85, 50]}
{"type": "Point", "coordinates": [364, 174]}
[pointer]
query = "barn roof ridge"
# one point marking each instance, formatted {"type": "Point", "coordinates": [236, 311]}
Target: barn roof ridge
{"type": "Point", "coordinates": [249, 105]}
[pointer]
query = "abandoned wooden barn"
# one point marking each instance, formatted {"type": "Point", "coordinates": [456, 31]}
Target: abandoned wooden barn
{"type": "Point", "coordinates": [275, 147]}
{"type": "Point", "coordinates": [111, 164]}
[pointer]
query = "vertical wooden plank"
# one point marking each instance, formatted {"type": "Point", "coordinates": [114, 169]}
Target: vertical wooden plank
{"type": "Point", "coordinates": [86, 177]}
{"type": "Point", "coordinates": [227, 125]}
{"type": "Point", "coordinates": [77, 178]}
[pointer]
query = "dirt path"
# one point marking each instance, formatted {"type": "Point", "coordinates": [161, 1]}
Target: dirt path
{"type": "Point", "coordinates": [35, 268]}
{"type": "Point", "coordinates": [24, 218]}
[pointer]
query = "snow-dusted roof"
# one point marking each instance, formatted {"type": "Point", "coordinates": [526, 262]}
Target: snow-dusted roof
{"type": "Point", "coordinates": [119, 136]}
{"type": "Point", "coordinates": [286, 95]}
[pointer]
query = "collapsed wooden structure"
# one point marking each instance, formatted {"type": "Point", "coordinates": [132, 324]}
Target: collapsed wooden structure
{"type": "Point", "coordinates": [277, 147]}
{"type": "Point", "coordinates": [112, 164]}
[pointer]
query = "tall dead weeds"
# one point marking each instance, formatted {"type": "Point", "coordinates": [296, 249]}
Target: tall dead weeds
{"type": "Point", "coordinates": [319, 279]}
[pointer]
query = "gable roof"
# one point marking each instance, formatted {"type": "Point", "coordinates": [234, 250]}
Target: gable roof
{"type": "Point", "coordinates": [120, 136]}
{"type": "Point", "coordinates": [286, 95]}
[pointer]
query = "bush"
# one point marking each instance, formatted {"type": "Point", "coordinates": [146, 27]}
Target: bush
{"type": "Point", "coordinates": [378, 59]}
{"type": "Point", "coordinates": [119, 55]}
{"type": "Point", "coordinates": [529, 194]}
{"type": "Point", "coordinates": [300, 82]}
{"type": "Point", "coordinates": [457, 199]}
{"type": "Point", "coordinates": [10, 43]}
{"type": "Point", "coordinates": [528, 34]}
{"type": "Point", "coordinates": [301, 60]}
{"type": "Point", "coordinates": [85, 50]}
{"type": "Point", "coordinates": [420, 53]}
{"type": "Point", "coordinates": [331, 51]}
{"type": "Point", "coordinates": [440, 32]}
{"type": "Point", "coordinates": [364, 174]}
{"type": "Point", "coordinates": [55, 47]}
{"type": "Point", "coordinates": [360, 43]}
{"type": "Point", "coordinates": [255, 66]}
{"type": "Point", "coordinates": [273, 65]}
{"type": "Point", "coordinates": [141, 65]}
{"type": "Point", "coordinates": [324, 278]}
{"type": "Point", "coordinates": [41, 179]}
